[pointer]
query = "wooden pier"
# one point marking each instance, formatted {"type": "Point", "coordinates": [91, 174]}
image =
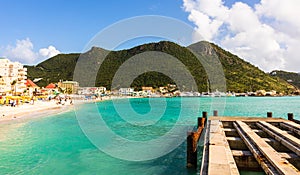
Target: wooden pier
{"type": "Point", "coordinates": [270, 145]}
{"type": "Point", "coordinates": [192, 142]}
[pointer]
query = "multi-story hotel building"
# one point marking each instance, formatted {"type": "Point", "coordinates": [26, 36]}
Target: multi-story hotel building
{"type": "Point", "coordinates": [13, 77]}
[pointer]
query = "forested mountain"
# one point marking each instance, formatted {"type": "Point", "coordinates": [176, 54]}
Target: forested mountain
{"type": "Point", "coordinates": [60, 67]}
{"type": "Point", "coordinates": [291, 77]}
{"type": "Point", "coordinates": [240, 76]}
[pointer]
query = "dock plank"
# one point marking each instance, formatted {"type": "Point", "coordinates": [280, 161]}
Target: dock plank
{"type": "Point", "coordinates": [220, 155]}
{"type": "Point", "coordinates": [242, 153]}
{"type": "Point", "coordinates": [262, 161]}
{"type": "Point", "coordinates": [272, 144]}
{"type": "Point", "coordinates": [295, 125]}
{"type": "Point", "coordinates": [291, 126]}
{"type": "Point", "coordinates": [288, 140]}
{"type": "Point", "coordinates": [281, 164]}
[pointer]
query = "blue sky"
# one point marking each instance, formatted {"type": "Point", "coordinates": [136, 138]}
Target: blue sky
{"type": "Point", "coordinates": [34, 30]}
{"type": "Point", "coordinates": [251, 3]}
{"type": "Point", "coordinates": [69, 24]}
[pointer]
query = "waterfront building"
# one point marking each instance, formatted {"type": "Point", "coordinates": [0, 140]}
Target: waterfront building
{"type": "Point", "coordinates": [13, 77]}
{"type": "Point", "coordinates": [126, 91]}
{"type": "Point", "coordinates": [98, 91]}
{"type": "Point", "coordinates": [148, 90]}
{"type": "Point", "coordinates": [163, 89]}
{"type": "Point", "coordinates": [51, 86]}
{"type": "Point", "coordinates": [70, 87]}
{"type": "Point", "coordinates": [32, 88]}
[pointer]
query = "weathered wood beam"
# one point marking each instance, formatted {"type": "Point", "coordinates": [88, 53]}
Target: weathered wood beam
{"type": "Point", "coordinates": [280, 164]}
{"type": "Point", "coordinates": [283, 137]}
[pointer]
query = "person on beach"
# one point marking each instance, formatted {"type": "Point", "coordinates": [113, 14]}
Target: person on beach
{"type": "Point", "coordinates": [62, 102]}
{"type": "Point", "coordinates": [11, 103]}
{"type": "Point", "coordinates": [32, 101]}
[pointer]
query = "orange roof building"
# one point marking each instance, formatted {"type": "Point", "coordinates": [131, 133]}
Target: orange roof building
{"type": "Point", "coordinates": [50, 86]}
{"type": "Point", "coordinates": [29, 83]}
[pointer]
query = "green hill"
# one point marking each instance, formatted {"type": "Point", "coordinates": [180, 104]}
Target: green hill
{"type": "Point", "coordinates": [291, 77]}
{"type": "Point", "coordinates": [240, 76]}
{"type": "Point", "coordinates": [60, 67]}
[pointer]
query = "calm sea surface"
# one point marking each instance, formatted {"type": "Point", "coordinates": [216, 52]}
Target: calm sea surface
{"type": "Point", "coordinates": [57, 145]}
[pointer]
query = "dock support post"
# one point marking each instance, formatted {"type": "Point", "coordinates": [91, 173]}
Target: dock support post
{"type": "Point", "coordinates": [204, 114]}
{"type": "Point", "coordinates": [269, 114]}
{"type": "Point", "coordinates": [192, 142]}
{"type": "Point", "coordinates": [215, 113]}
{"type": "Point", "coordinates": [202, 121]}
{"type": "Point", "coordinates": [291, 116]}
{"type": "Point", "coordinates": [191, 150]}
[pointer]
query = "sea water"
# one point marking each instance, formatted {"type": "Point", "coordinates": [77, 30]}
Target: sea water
{"type": "Point", "coordinates": [58, 145]}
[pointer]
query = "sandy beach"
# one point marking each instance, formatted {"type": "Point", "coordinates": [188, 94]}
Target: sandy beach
{"type": "Point", "coordinates": [40, 108]}
{"type": "Point", "coordinates": [8, 113]}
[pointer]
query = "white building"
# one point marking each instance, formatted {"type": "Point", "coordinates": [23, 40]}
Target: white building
{"type": "Point", "coordinates": [126, 91]}
{"type": "Point", "coordinates": [91, 91]}
{"type": "Point", "coordinates": [12, 72]}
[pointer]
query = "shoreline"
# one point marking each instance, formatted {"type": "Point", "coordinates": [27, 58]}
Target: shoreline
{"type": "Point", "coordinates": [23, 112]}
{"type": "Point", "coordinates": [26, 111]}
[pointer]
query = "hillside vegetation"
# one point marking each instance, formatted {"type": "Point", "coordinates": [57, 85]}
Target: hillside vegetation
{"type": "Point", "coordinates": [240, 76]}
{"type": "Point", "coordinates": [292, 77]}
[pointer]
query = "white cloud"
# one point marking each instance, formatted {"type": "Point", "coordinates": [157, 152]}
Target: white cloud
{"type": "Point", "coordinates": [241, 18]}
{"type": "Point", "coordinates": [267, 35]}
{"type": "Point", "coordinates": [51, 51]}
{"type": "Point", "coordinates": [208, 19]}
{"type": "Point", "coordinates": [286, 12]}
{"type": "Point", "coordinates": [24, 52]}
{"type": "Point", "coordinates": [207, 27]}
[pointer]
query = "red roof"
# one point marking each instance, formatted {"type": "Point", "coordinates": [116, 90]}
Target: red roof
{"type": "Point", "coordinates": [30, 83]}
{"type": "Point", "coordinates": [51, 86]}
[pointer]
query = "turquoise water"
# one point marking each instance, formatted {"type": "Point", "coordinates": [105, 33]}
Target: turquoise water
{"type": "Point", "coordinates": [57, 145]}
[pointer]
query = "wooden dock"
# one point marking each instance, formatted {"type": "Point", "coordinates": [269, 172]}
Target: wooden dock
{"type": "Point", "coordinates": [232, 144]}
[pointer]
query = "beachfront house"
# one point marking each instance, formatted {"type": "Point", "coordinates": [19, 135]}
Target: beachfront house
{"type": "Point", "coordinates": [31, 88]}
{"type": "Point", "coordinates": [172, 87]}
{"type": "Point", "coordinates": [126, 91]}
{"type": "Point", "coordinates": [13, 77]}
{"type": "Point", "coordinates": [147, 90]}
{"type": "Point", "coordinates": [163, 89]}
{"type": "Point", "coordinates": [271, 93]}
{"type": "Point", "coordinates": [51, 89]}
{"type": "Point", "coordinates": [98, 91]}
{"type": "Point", "coordinates": [70, 87]}
{"type": "Point", "coordinates": [51, 86]}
